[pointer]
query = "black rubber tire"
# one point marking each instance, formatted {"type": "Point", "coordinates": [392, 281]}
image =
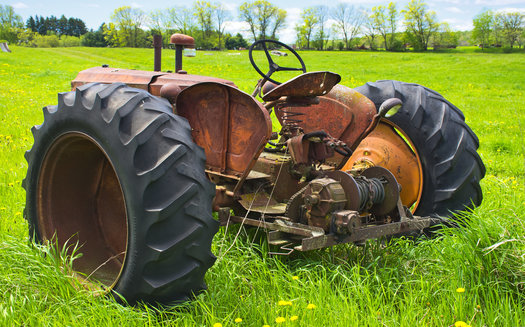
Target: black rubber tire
{"type": "Point", "coordinates": [447, 147]}
{"type": "Point", "coordinates": [166, 193]}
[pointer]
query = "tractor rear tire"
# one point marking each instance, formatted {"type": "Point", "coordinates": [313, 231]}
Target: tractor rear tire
{"type": "Point", "coordinates": [447, 147]}
{"type": "Point", "coordinates": [115, 171]}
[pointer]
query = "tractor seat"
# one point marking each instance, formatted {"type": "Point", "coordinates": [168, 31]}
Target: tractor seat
{"type": "Point", "coordinates": [310, 84]}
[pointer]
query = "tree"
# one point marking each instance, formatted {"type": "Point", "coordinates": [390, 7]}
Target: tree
{"type": "Point", "coordinates": [482, 28]}
{"type": "Point", "coordinates": [94, 38]}
{"type": "Point", "coordinates": [9, 18]}
{"type": "Point", "coordinates": [263, 18]}
{"type": "Point", "coordinates": [128, 22]}
{"type": "Point", "coordinates": [497, 31]}
{"type": "Point", "coordinates": [309, 20]}
{"type": "Point", "coordinates": [30, 23]}
{"type": "Point", "coordinates": [180, 19]}
{"type": "Point", "coordinates": [371, 27]}
{"type": "Point", "coordinates": [221, 15]}
{"type": "Point", "coordinates": [512, 23]}
{"type": "Point", "coordinates": [420, 24]}
{"type": "Point", "coordinates": [156, 20]}
{"type": "Point", "coordinates": [445, 37]}
{"type": "Point", "coordinates": [378, 21]}
{"type": "Point", "coordinates": [392, 23]}
{"type": "Point", "coordinates": [348, 21]}
{"type": "Point", "coordinates": [278, 23]}
{"type": "Point", "coordinates": [203, 11]}
{"type": "Point", "coordinates": [235, 42]}
{"type": "Point", "coordinates": [321, 37]}
{"type": "Point", "coordinates": [10, 23]}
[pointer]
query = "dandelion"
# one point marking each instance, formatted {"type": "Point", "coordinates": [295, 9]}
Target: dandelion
{"type": "Point", "coordinates": [311, 306]}
{"type": "Point", "coordinates": [266, 325]}
{"type": "Point", "coordinates": [217, 324]}
{"type": "Point", "coordinates": [280, 320]}
{"type": "Point", "coordinates": [238, 320]}
{"type": "Point", "coordinates": [460, 290]}
{"type": "Point", "coordinates": [11, 184]}
{"type": "Point", "coordinates": [460, 324]}
{"type": "Point", "coordinates": [18, 213]}
{"type": "Point", "coordinates": [478, 306]}
{"type": "Point", "coordinates": [284, 303]}
{"type": "Point", "coordinates": [294, 318]}
{"type": "Point", "coordinates": [295, 277]}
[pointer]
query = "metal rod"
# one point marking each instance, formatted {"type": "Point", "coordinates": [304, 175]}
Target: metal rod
{"type": "Point", "coordinates": [178, 57]}
{"type": "Point", "coordinates": [157, 45]}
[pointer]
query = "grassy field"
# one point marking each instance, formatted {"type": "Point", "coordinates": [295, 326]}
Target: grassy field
{"type": "Point", "coordinates": [400, 284]}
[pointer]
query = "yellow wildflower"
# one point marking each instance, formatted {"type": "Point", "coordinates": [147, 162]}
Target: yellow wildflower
{"type": "Point", "coordinates": [284, 303]}
{"type": "Point", "coordinates": [293, 318]}
{"type": "Point", "coordinates": [460, 324]}
{"type": "Point", "coordinates": [311, 306]}
{"type": "Point", "coordinates": [238, 320]}
{"type": "Point", "coordinates": [460, 290]}
{"type": "Point", "coordinates": [266, 325]}
{"type": "Point", "coordinates": [295, 277]}
{"type": "Point", "coordinates": [217, 324]}
{"type": "Point", "coordinates": [280, 320]}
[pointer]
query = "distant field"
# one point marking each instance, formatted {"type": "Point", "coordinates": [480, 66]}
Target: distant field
{"type": "Point", "coordinates": [401, 284]}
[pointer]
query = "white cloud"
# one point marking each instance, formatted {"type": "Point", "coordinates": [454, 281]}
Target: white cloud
{"type": "Point", "coordinates": [455, 10]}
{"type": "Point", "coordinates": [136, 5]}
{"type": "Point", "coordinates": [19, 5]}
{"type": "Point", "coordinates": [235, 27]}
{"type": "Point", "coordinates": [507, 10]}
{"type": "Point", "coordinates": [458, 24]}
{"type": "Point", "coordinates": [288, 34]}
{"type": "Point", "coordinates": [499, 2]}
{"type": "Point", "coordinates": [454, 2]}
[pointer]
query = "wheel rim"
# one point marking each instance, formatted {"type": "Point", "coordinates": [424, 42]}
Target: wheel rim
{"type": "Point", "coordinates": [387, 146]}
{"type": "Point", "coordinates": [80, 199]}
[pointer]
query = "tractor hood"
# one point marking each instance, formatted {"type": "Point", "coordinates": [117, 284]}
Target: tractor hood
{"type": "Point", "coordinates": [146, 80]}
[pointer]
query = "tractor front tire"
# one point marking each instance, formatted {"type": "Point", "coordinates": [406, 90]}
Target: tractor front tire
{"type": "Point", "coordinates": [114, 171]}
{"type": "Point", "coordinates": [447, 147]}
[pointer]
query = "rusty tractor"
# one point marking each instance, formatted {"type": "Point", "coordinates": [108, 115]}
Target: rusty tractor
{"type": "Point", "coordinates": [131, 164]}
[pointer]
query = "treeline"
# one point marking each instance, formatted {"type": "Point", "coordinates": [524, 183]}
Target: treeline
{"type": "Point", "coordinates": [378, 27]}
{"type": "Point", "coordinates": [58, 26]}
{"type": "Point", "coordinates": [340, 27]}
{"type": "Point", "coordinates": [498, 29]}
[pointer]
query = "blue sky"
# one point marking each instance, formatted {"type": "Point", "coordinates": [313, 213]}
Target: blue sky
{"type": "Point", "coordinates": [458, 13]}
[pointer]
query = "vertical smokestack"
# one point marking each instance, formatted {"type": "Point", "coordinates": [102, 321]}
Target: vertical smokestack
{"type": "Point", "coordinates": [157, 45]}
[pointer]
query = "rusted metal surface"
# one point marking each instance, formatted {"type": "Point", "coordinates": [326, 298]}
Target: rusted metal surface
{"type": "Point", "coordinates": [384, 147]}
{"type": "Point", "coordinates": [80, 200]}
{"type": "Point", "coordinates": [183, 81]}
{"type": "Point", "coordinates": [229, 124]}
{"type": "Point", "coordinates": [157, 46]}
{"type": "Point", "coordinates": [390, 187]}
{"type": "Point", "coordinates": [278, 225]}
{"type": "Point", "coordinates": [146, 80]}
{"type": "Point", "coordinates": [279, 167]}
{"type": "Point", "coordinates": [182, 39]}
{"type": "Point", "coordinates": [261, 202]}
{"type": "Point", "coordinates": [349, 186]}
{"type": "Point", "coordinates": [343, 222]}
{"type": "Point", "coordinates": [343, 113]}
{"type": "Point", "coordinates": [305, 85]}
{"type": "Point", "coordinates": [322, 197]}
{"type": "Point", "coordinates": [364, 233]}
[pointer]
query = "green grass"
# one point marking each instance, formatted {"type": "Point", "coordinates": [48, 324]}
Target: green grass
{"type": "Point", "coordinates": [400, 284]}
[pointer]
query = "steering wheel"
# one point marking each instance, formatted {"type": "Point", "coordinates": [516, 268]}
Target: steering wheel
{"type": "Point", "coordinates": [273, 66]}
